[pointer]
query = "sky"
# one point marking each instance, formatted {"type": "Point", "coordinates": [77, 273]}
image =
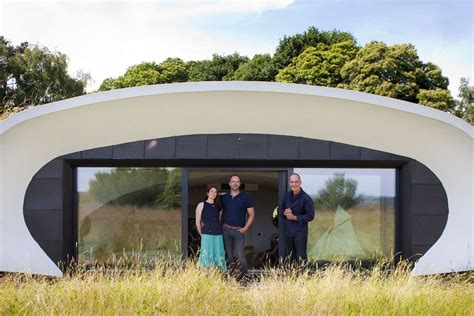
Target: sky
{"type": "Point", "coordinates": [104, 38]}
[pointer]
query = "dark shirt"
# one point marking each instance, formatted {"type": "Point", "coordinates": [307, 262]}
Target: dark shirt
{"type": "Point", "coordinates": [210, 220]}
{"type": "Point", "coordinates": [303, 208]}
{"type": "Point", "coordinates": [235, 208]}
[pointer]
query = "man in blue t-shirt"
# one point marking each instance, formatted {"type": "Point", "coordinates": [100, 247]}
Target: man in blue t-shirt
{"type": "Point", "coordinates": [236, 205]}
{"type": "Point", "coordinates": [298, 210]}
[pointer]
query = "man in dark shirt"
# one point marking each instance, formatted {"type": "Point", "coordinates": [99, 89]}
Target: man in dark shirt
{"type": "Point", "coordinates": [298, 210]}
{"type": "Point", "coordinates": [236, 205]}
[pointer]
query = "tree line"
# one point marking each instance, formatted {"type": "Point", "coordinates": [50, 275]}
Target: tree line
{"type": "Point", "coordinates": [314, 57]}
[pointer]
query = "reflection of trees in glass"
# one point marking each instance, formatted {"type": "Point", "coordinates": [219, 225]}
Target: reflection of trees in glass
{"type": "Point", "coordinates": [131, 209]}
{"type": "Point", "coordinates": [171, 197]}
{"type": "Point", "coordinates": [137, 186]}
{"type": "Point", "coordinates": [339, 191]}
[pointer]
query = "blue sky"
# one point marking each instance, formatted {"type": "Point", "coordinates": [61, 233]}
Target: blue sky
{"type": "Point", "coordinates": [105, 37]}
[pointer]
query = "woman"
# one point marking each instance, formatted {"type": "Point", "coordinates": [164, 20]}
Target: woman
{"type": "Point", "coordinates": [209, 226]}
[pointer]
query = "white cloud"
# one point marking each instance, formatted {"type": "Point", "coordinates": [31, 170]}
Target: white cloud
{"type": "Point", "coordinates": [105, 37]}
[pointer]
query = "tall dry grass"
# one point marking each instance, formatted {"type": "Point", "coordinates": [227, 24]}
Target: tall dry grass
{"type": "Point", "coordinates": [173, 287]}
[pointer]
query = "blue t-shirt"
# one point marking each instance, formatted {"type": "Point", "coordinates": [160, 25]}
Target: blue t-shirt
{"type": "Point", "coordinates": [210, 220]}
{"type": "Point", "coordinates": [235, 208]}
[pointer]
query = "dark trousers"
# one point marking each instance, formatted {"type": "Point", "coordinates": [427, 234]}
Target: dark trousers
{"type": "Point", "coordinates": [234, 243]}
{"type": "Point", "coordinates": [296, 247]}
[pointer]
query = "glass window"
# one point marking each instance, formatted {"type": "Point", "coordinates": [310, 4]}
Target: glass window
{"type": "Point", "coordinates": [128, 210]}
{"type": "Point", "coordinates": [355, 213]}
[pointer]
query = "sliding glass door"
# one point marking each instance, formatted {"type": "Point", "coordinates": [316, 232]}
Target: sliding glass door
{"type": "Point", "coordinates": [127, 211]}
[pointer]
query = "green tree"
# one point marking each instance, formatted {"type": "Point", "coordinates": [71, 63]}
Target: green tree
{"type": "Point", "coordinates": [259, 68]}
{"type": "Point", "coordinates": [137, 75]}
{"type": "Point", "coordinates": [292, 46]}
{"type": "Point", "coordinates": [438, 99]}
{"type": "Point", "coordinates": [338, 191]}
{"type": "Point", "coordinates": [32, 75]}
{"type": "Point", "coordinates": [394, 71]}
{"type": "Point", "coordinates": [217, 69]}
{"type": "Point", "coordinates": [149, 73]}
{"type": "Point", "coordinates": [171, 197]}
{"type": "Point", "coordinates": [319, 65]}
{"type": "Point", "coordinates": [173, 70]}
{"type": "Point", "coordinates": [134, 186]}
{"type": "Point", "coordinates": [464, 107]}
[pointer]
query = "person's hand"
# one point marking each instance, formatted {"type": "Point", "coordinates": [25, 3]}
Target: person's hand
{"type": "Point", "coordinates": [242, 230]}
{"type": "Point", "coordinates": [291, 217]}
{"type": "Point", "coordinates": [287, 211]}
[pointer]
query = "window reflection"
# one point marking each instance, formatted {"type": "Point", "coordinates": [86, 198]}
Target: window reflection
{"type": "Point", "coordinates": [355, 213]}
{"type": "Point", "coordinates": [128, 210]}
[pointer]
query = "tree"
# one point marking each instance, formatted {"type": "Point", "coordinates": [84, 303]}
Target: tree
{"type": "Point", "coordinates": [464, 107]}
{"type": "Point", "coordinates": [319, 65]}
{"type": "Point", "coordinates": [394, 71]}
{"type": "Point", "coordinates": [128, 186]}
{"type": "Point", "coordinates": [438, 99]}
{"type": "Point", "coordinates": [217, 69]}
{"type": "Point", "coordinates": [292, 46]}
{"type": "Point", "coordinates": [171, 197]}
{"type": "Point", "coordinates": [339, 191]}
{"type": "Point", "coordinates": [32, 75]}
{"type": "Point", "coordinates": [259, 68]}
{"type": "Point", "coordinates": [148, 73]}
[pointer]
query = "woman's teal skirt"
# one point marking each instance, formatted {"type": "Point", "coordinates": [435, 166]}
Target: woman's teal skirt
{"type": "Point", "coordinates": [212, 252]}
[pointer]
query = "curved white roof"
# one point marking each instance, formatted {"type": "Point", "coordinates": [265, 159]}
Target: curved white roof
{"type": "Point", "coordinates": [249, 86]}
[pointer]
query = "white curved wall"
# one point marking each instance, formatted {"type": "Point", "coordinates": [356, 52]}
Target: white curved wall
{"type": "Point", "coordinates": [32, 138]}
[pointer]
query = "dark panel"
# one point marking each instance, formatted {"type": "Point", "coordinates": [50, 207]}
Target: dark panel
{"type": "Point", "coordinates": [76, 155]}
{"type": "Point", "coordinates": [340, 151]}
{"type": "Point", "coordinates": [44, 194]}
{"type": "Point", "coordinates": [419, 250]}
{"type": "Point", "coordinates": [133, 150]}
{"type": "Point", "coordinates": [283, 147]}
{"type": "Point", "coordinates": [253, 146]}
{"type": "Point", "coordinates": [371, 154]}
{"type": "Point", "coordinates": [313, 149]}
{"type": "Point", "coordinates": [404, 213]}
{"type": "Point", "coordinates": [394, 157]}
{"type": "Point", "coordinates": [428, 199]}
{"type": "Point", "coordinates": [54, 249]}
{"type": "Point", "coordinates": [421, 174]}
{"type": "Point", "coordinates": [191, 147]}
{"type": "Point", "coordinates": [69, 193]}
{"type": "Point", "coordinates": [45, 225]}
{"type": "Point", "coordinates": [222, 146]}
{"type": "Point", "coordinates": [163, 148]}
{"type": "Point", "coordinates": [52, 170]}
{"type": "Point", "coordinates": [426, 229]}
{"type": "Point", "coordinates": [98, 153]}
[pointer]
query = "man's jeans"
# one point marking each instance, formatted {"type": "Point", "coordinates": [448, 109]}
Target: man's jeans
{"type": "Point", "coordinates": [296, 247]}
{"type": "Point", "coordinates": [234, 243]}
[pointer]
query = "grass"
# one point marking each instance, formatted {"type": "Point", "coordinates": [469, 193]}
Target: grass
{"type": "Point", "coordinates": [108, 230]}
{"type": "Point", "coordinates": [173, 287]}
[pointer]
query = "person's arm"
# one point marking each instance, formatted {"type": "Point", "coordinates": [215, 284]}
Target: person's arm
{"type": "Point", "coordinates": [198, 217]}
{"type": "Point", "coordinates": [287, 211]}
{"type": "Point", "coordinates": [251, 213]}
{"type": "Point", "coordinates": [308, 214]}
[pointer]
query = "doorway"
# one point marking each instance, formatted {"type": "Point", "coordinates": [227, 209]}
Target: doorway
{"type": "Point", "coordinates": [265, 189]}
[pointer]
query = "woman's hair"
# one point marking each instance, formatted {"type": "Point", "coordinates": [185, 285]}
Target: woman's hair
{"type": "Point", "coordinates": [217, 201]}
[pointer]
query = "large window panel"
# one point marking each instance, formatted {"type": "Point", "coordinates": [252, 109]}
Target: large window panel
{"type": "Point", "coordinates": [125, 211]}
{"type": "Point", "coordinates": [355, 213]}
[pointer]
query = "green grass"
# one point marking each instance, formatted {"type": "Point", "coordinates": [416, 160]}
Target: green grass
{"type": "Point", "coordinates": [180, 288]}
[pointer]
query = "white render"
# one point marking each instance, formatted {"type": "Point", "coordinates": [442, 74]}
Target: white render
{"type": "Point", "coordinates": [442, 142]}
